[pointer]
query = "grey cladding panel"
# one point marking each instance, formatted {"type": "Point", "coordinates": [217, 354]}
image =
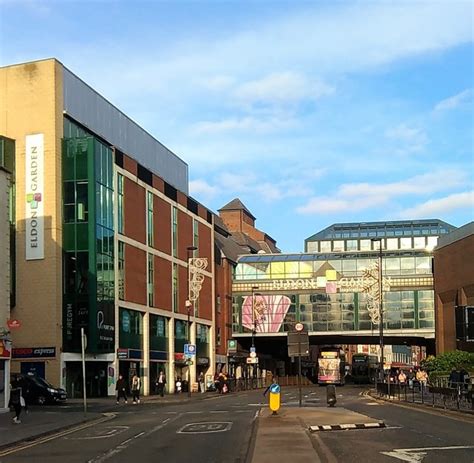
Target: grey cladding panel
{"type": "Point", "coordinates": [89, 108]}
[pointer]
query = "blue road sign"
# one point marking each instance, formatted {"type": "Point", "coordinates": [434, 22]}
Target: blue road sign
{"type": "Point", "coordinates": [253, 349]}
{"type": "Point", "coordinates": [275, 388]}
{"type": "Point", "coordinates": [189, 349]}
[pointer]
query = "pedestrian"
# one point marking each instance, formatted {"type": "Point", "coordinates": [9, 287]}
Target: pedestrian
{"type": "Point", "coordinates": [179, 385]}
{"type": "Point", "coordinates": [201, 382]}
{"type": "Point", "coordinates": [136, 383]}
{"type": "Point", "coordinates": [160, 383]}
{"type": "Point", "coordinates": [411, 378]}
{"type": "Point", "coordinates": [16, 401]}
{"type": "Point", "coordinates": [121, 388]}
{"type": "Point", "coordinates": [402, 378]}
{"type": "Point", "coordinates": [453, 378]}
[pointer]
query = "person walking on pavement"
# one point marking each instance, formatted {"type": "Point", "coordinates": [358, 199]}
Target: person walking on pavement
{"type": "Point", "coordinates": [160, 383]}
{"type": "Point", "coordinates": [121, 388]}
{"type": "Point", "coordinates": [202, 385]}
{"type": "Point", "coordinates": [16, 401]}
{"type": "Point", "coordinates": [402, 378]}
{"type": "Point", "coordinates": [136, 383]}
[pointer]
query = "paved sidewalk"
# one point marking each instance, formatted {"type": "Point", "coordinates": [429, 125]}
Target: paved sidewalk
{"type": "Point", "coordinates": [38, 423]}
{"type": "Point", "coordinates": [286, 438]}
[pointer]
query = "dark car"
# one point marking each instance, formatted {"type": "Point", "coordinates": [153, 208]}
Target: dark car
{"type": "Point", "coordinates": [37, 390]}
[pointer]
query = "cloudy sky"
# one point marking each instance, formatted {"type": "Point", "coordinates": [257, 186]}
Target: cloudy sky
{"type": "Point", "coordinates": [310, 112]}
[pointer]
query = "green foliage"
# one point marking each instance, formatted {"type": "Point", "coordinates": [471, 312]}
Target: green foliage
{"type": "Point", "coordinates": [446, 362]}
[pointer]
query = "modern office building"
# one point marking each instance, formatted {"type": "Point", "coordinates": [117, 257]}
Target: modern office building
{"type": "Point", "coordinates": [104, 223]}
{"type": "Point", "coordinates": [454, 290]}
{"type": "Point", "coordinates": [333, 288]}
{"type": "Point", "coordinates": [7, 270]}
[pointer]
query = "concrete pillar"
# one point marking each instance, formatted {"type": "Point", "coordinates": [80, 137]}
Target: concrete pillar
{"type": "Point", "coordinates": [146, 354]}
{"type": "Point", "coordinates": [170, 372]}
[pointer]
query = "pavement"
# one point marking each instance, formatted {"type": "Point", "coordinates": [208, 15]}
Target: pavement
{"type": "Point", "coordinates": [42, 421]}
{"type": "Point", "coordinates": [286, 436]}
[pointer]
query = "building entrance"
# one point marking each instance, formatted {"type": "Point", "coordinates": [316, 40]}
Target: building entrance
{"type": "Point", "coordinates": [96, 379]}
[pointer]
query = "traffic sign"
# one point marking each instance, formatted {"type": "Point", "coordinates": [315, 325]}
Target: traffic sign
{"type": "Point", "coordinates": [12, 324]}
{"type": "Point", "coordinates": [253, 354]}
{"type": "Point", "coordinates": [253, 349]}
{"type": "Point", "coordinates": [299, 327]}
{"type": "Point", "coordinates": [275, 388]}
{"type": "Point", "coordinates": [252, 360]}
{"type": "Point", "coordinates": [189, 350]}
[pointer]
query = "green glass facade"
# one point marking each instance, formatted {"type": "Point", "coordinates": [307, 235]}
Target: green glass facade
{"type": "Point", "coordinates": [88, 241]}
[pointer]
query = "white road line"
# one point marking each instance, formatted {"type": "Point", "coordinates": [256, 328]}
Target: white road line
{"type": "Point", "coordinates": [417, 455]}
{"type": "Point", "coordinates": [123, 445]}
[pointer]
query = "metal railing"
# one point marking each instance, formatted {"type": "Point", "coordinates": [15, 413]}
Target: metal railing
{"type": "Point", "coordinates": [454, 396]}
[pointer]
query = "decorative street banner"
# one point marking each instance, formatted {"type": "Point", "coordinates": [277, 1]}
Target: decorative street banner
{"type": "Point", "coordinates": [264, 314]}
{"type": "Point", "coordinates": [34, 196]}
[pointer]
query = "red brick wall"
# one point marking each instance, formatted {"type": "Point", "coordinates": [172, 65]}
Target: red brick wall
{"type": "Point", "coordinates": [163, 284]}
{"type": "Point", "coordinates": [162, 225]}
{"type": "Point", "coordinates": [158, 183]}
{"type": "Point", "coordinates": [205, 244]}
{"type": "Point", "coordinates": [232, 220]}
{"type": "Point", "coordinates": [135, 275]}
{"type": "Point", "coordinates": [183, 289]}
{"type": "Point", "coordinates": [453, 279]}
{"type": "Point", "coordinates": [205, 300]}
{"type": "Point", "coordinates": [185, 234]}
{"type": "Point", "coordinates": [182, 199]}
{"type": "Point", "coordinates": [130, 164]}
{"type": "Point", "coordinates": [135, 211]}
{"type": "Point", "coordinates": [223, 276]}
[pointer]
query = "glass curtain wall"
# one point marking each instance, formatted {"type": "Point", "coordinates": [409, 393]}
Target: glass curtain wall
{"type": "Point", "coordinates": [88, 241]}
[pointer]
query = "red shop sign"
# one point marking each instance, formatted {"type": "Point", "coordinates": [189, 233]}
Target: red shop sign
{"type": "Point", "coordinates": [12, 324]}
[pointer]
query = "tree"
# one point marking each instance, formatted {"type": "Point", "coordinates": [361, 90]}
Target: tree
{"type": "Point", "coordinates": [445, 362]}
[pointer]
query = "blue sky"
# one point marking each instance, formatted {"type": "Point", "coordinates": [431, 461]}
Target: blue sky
{"type": "Point", "coordinates": [310, 112]}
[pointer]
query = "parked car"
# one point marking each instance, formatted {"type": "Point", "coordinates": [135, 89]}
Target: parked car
{"type": "Point", "coordinates": [37, 390]}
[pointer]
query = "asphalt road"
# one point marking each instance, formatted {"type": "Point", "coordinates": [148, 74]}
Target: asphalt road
{"type": "Point", "coordinates": [219, 429]}
{"type": "Point", "coordinates": [412, 435]}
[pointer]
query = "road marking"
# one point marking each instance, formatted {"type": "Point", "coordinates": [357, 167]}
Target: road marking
{"type": "Point", "coordinates": [123, 445]}
{"type": "Point", "coordinates": [372, 403]}
{"type": "Point", "coordinates": [108, 431]}
{"type": "Point", "coordinates": [205, 428]}
{"type": "Point", "coordinates": [417, 455]}
{"type": "Point", "coordinates": [40, 440]}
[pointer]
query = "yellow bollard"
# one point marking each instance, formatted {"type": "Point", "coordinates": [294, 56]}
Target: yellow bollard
{"type": "Point", "coordinates": [274, 401]}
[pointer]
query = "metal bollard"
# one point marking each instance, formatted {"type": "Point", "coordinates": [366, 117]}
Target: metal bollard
{"type": "Point", "coordinates": [331, 395]}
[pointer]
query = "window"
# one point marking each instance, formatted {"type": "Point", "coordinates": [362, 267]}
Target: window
{"type": "Point", "coordinates": [150, 284]}
{"type": "Point", "coordinates": [149, 218]}
{"type": "Point", "coordinates": [464, 324]}
{"type": "Point", "coordinates": [196, 236]}
{"type": "Point", "coordinates": [312, 246]}
{"type": "Point", "coordinates": [325, 246]}
{"type": "Point", "coordinates": [432, 242]}
{"type": "Point", "coordinates": [351, 245]}
{"type": "Point", "coordinates": [121, 270]}
{"type": "Point", "coordinates": [218, 304]}
{"type": "Point", "coordinates": [218, 336]}
{"type": "Point", "coordinates": [365, 245]}
{"type": "Point", "coordinates": [392, 243]}
{"type": "Point", "coordinates": [338, 245]}
{"type": "Point", "coordinates": [175, 288]}
{"type": "Point", "coordinates": [174, 232]}
{"type": "Point", "coordinates": [419, 242]}
{"type": "Point", "coordinates": [405, 243]}
{"type": "Point", "coordinates": [120, 203]}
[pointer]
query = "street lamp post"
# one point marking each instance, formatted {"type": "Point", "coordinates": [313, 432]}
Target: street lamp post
{"type": "Point", "coordinates": [189, 306]}
{"type": "Point", "coordinates": [254, 326]}
{"type": "Point", "coordinates": [380, 282]}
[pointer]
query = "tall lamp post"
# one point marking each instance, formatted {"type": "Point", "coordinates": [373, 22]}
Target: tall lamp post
{"type": "Point", "coordinates": [380, 282]}
{"type": "Point", "coordinates": [254, 325]}
{"type": "Point", "coordinates": [189, 306]}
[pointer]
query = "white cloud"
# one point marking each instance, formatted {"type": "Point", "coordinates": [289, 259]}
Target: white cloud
{"type": "Point", "coordinates": [244, 124]}
{"type": "Point", "coordinates": [282, 87]}
{"type": "Point", "coordinates": [423, 184]}
{"type": "Point", "coordinates": [362, 196]}
{"type": "Point", "coordinates": [217, 83]}
{"type": "Point", "coordinates": [455, 101]}
{"type": "Point", "coordinates": [200, 187]}
{"type": "Point", "coordinates": [411, 139]}
{"type": "Point", "coordinates": [442, 206]}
